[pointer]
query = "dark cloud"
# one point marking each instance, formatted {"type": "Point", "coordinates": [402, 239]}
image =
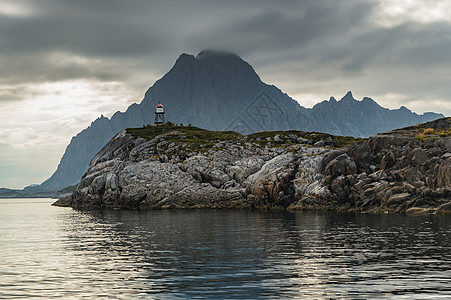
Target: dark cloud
{"type": "Point", "coordinates": [279, 28]}
{"type": "Point", "coordinates": [319, 43]}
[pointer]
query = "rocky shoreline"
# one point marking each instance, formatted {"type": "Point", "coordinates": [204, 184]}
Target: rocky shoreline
{"type": "Point", "coordinates": [178, 167]}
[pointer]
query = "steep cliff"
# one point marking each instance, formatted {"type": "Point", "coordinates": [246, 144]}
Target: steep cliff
{"type": "Point", "coordinates": [162, 167]}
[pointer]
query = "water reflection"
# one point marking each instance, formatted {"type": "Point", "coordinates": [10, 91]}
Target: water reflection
{"type": "Point", "coordinates": [227, 254]}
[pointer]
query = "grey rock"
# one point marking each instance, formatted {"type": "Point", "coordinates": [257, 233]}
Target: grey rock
{"type": "Point", "coordinates": [444, 174]}
{"type": "Point", "coordinates": [420, 156]}
{"type": "Point", "coordinates": [128, 173]}
{"type": "Point", "coordinates": [245, 167]}
{"type": "Point", "coordinates": [388, 160]}
{"type": "Point", "coordinates": [321, 143]}
{"type": "Point", "coordinates": [277, 139]}
{"type": "Point", "coordinates": [398, 200]}
{"type": "Point", "coordinates": [444, 208]}
{"type": "Point", "coordinates": [341, 165]}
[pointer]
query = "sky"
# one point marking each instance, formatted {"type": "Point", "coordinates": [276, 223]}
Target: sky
{"type": "Point", "coordinates": [64, 63]}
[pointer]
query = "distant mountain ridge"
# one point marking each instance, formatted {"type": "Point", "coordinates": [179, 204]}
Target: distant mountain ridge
{"type": "Point", "coordinates": [349, 116]}
{"type": "Point", "coordinates": [220, 91]}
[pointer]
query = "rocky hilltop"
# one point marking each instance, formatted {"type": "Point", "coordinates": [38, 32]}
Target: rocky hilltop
{"type": "Point", "coordinates": [169, 167]}
{"type": "Point", "coordinates": [220, 91]}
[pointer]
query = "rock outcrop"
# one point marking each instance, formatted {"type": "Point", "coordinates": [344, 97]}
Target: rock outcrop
{"type": "Point", "coordinates": [220, 91]}
{"type": "Point", "coordinates": [169, 167]}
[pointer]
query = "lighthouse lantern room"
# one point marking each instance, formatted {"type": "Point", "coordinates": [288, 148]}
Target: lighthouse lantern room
{"type": "Point", "coordinates": [159, 114]}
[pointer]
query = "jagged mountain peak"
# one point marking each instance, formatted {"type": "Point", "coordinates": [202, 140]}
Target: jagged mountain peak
{"type": "Point", "coordinates": [211, 56]}
{"type": "Point", "coordinates": [368, 99]}
{"type": "Point", "coordinates": [348, 97]}
{"type": "Point", "coordinates": [217, 90]}
{"type": "Point", "coordinates": [184, 57]}
{"type": "Point", "coordinates": [369, 102]}
{"type": "Point", "coordinates": [212, 65]}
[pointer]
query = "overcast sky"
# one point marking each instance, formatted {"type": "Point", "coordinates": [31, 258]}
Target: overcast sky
{"type": "Point", "coordinates": [63, 63]}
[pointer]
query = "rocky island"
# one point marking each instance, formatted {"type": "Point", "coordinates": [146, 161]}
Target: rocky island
{"type": "Point", "coordinates": [170, 167]}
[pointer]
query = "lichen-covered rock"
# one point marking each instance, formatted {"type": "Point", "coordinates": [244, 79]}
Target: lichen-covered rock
{"type": "Point", "coordinates": [166, 172]}
{"type": "Point", "coordinates": [193, 168]}
{"type": "Point", "coordinates": [243, 168]}
{"type": "Point", "coordinates": [272, 183]}
{"type": "Point", "coordinates": [341, 165]}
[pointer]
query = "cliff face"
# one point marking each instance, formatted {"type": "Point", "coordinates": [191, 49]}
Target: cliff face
{"type": "Point", "coordinates": [220, 91]}
{"type": "Point", "coordinates": [163, 167]}
{"type": "Point", "coordinates": [407, 170]}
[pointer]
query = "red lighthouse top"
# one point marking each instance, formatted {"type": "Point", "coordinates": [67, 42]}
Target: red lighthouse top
{"type": "Point", "coordinates": [159, 104]}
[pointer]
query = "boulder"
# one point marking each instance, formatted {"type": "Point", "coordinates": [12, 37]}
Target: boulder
{"type": "Point", "coordinates": [341, 165]}
{"type": "Point", "coordinates": [272, 180]}
{"type": "Point", "coordinates": [245, 167]}
{"type": "Point", "coordinates": [420, 156]}
{"type": "Point", "coordinates": [444, 208]}
{"type": "Point", "coordinates": [362, 155]}
{"type": "Point", "coordinates": [397, 200]}
{"type": "Point", "coordinates": [388, 160]}
{"type": "Point", "coordinates": [444, 174]}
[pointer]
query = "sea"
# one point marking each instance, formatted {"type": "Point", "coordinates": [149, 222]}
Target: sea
{"type": "Point", "coordinates": [49, 252]}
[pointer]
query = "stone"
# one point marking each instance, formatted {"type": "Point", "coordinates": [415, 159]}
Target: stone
{"type": "Point", "coordinates": [331, 156]}
{"type": "Point", "coordinates": [272, 178]}
{"type": "Point", "coordinates": [321, 144]}
{"type": "Point", "coordinates": [378, 175]}
{"type": "Point", "coordinates": [444, 174]}
{"type": "Point", "coordinates": [301, 140]}
{"type": "Point", "coordinates": [388, 161]}
{"type": "Point", "coordinates": [363, 156]}
{"type": "Point", "coordinates": [444, 208]}
{"type": "Point", "coordinates": [420, 157]}
{"type": "Point", "coordinates": [341, 165]}
{"type": "Point", "coordinates": [245, 167]}
{"type": "Point", "coordinates": [398, 199]}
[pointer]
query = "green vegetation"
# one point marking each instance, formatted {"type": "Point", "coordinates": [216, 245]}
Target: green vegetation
{"type": "Point", "coordinates": [420, 137]}
{"type": "Point", "coordinates": [182, 140]}
{"type": "Point", "coordinates": [434, 129]}
{"type": "Point", "coordinates": [172, 140]}
{"type": "Point", "coordinates": [191, 133]}
{"type": "Point", "coordinates": [290, 137]}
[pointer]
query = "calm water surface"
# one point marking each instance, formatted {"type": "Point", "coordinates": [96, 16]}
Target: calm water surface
{"type": "Point", "coordinates": [50, 252]}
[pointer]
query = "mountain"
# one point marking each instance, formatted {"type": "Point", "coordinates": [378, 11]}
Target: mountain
{"type": "Point", "coordinates": [363, 118]}
{"type": "Point", "coordinates": [220, 91]}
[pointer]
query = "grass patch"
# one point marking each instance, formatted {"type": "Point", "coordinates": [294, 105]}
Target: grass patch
{"type": "Point", "coordinates": [429, 130]}
{"type": "Point", "coordinates": [291, 137]}
{"type": "Point", "coordinates": [183, 140]}
{"type": "Point", "coordinates": [420, 137]}
{"type": "Point", "coordinates": [192, 133]}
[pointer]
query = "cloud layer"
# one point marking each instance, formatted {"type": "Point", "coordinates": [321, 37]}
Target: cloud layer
{"type": "Point", "coordinates": [66, 62]}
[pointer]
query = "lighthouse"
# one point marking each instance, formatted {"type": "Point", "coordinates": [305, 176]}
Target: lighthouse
{"type": "Point", "coordinates": [159, 113]}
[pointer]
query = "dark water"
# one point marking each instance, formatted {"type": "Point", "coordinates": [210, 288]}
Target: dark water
{"type": "Point", "coordinates": [53, 252]}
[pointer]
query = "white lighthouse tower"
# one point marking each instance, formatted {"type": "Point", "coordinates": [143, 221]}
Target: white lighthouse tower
{"type": "Point", "coordinates": [159, 114]}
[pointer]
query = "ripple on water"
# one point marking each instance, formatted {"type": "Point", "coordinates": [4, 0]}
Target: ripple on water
{"type": "Point", "coordinates": [50, 252]}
